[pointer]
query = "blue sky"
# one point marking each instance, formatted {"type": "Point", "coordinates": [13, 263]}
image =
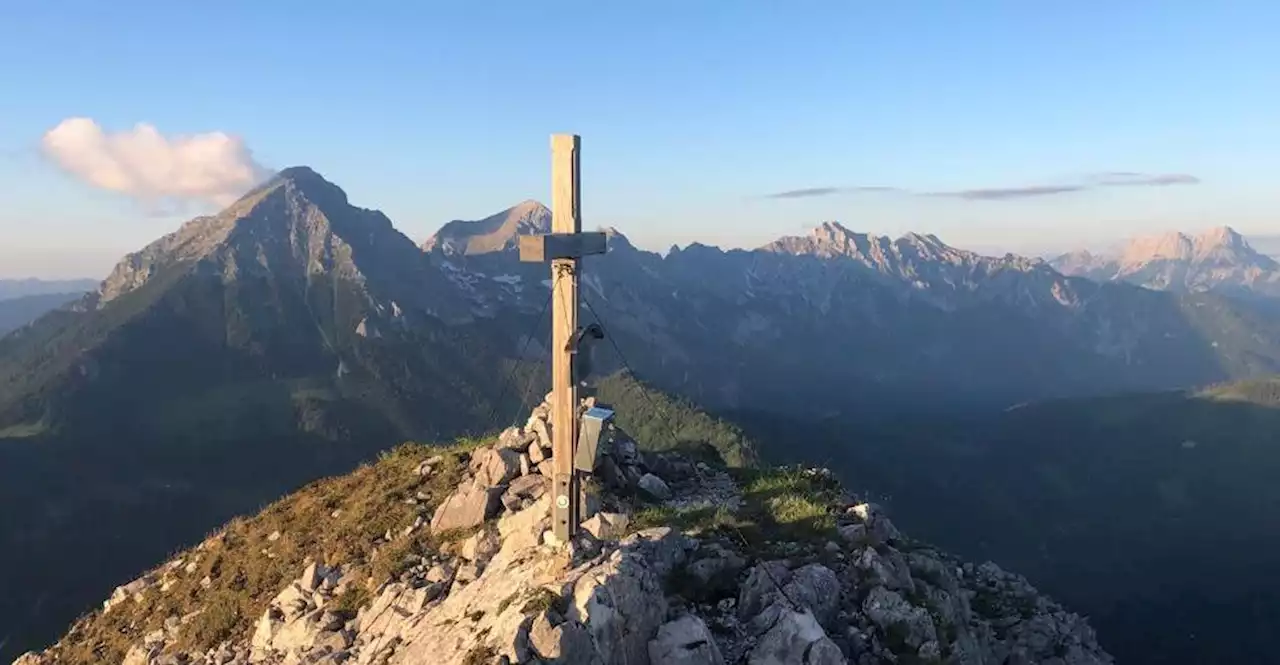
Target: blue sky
{"type": "Point", "coordinates": [691, 114]}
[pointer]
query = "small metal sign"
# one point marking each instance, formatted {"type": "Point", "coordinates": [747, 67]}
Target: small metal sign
{"type": "Point", "coordinates": [590, 431]}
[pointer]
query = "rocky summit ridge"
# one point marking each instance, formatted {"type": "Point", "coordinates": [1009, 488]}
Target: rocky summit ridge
{"type": "Point", "coordinates": [1217, 259]}
{"type": "Point", "coordinates": [680, 562]}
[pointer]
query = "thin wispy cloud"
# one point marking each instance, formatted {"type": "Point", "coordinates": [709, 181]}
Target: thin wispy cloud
{"type": "Point", "coordinates": [827, 191]}
{"type": "Point", "coordinates": [805, 193]}
{"type": "Point", "coordinates": [1005, 193]}
{"type": "Point", "coordinates": [151, 167]}
{"type": "Point", "coordinates": [1131, 179]}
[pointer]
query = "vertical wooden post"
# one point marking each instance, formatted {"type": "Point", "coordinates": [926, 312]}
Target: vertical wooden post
{"type": "Point", "coordinates": [566, 217]}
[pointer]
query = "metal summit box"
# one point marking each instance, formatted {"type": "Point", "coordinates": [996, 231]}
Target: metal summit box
{"type": "Point", "coordinates": [590, 431]}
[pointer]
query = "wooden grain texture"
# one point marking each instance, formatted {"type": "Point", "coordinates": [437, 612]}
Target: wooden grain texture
{"type": "Point", "coordinates": [538, 249]}
{"type": "Point", "coordinates": [566, 217]}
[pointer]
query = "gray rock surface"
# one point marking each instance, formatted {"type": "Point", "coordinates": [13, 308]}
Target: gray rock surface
{"type": "Point", "coordinates": [685, 641]}
{"type": "Point", "coordinates": [470, 505]}
{"type": "Point", "coordinates": [654, 487]}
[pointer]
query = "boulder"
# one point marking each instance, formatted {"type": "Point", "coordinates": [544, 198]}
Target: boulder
{"type": "Point", "coordinates": [654, 487]}
{"type": "Point", "coordinates": [524, 490]}
{"type": "Point", "coordinates": [524, 529]}
{"type": "Point", "coordinates": [761, 588]}
{"type": "Point", "coordinates": [685, 641]}
{"type": "Point", "coordinates": [825, 652]}
{"type": "Point", "coordinates": [795, 638]}
{"type": "Point", "coordinates": [496, 466]}
{"type": "Point", "coordinates": [469, 506]}
{"type": "Point", "coordinates": [890, 571]}
{"type": "Point", "coordinates": [620, 601]}
{"type": "Point", "coordinates": [541, 431]}
{"type": "Point", "coordinates": [529, 487]}
{"type": "Point", "coordinates": [513, 438]}
{"type": "Point", "coordinates": [606, 526]}
{"type": "Point", "coordinates": [890, 611]}
{"type": "Point", "coordinates": [312, 575]}
{"type": "Point", "coordinates": [565, 642]}
{"type": "Point", "coordinates": [480, 547]}
{"type": "Point", "coordinates": [877, 522]}
{"type": "Point", "coordinates": [546, 468]}
{"type": "Point", "coordinates": [854, 534]}
{"type": "Point", "coordinates": [536, 452]}
{"type": "Point", "coordinates": [816, 588]}
{"type": "Point", "coordinates": [625, 450]}
{"type": "Point", "coordinates": [662, 547]}
{"type": "Point", "coordinates": [715, 570]}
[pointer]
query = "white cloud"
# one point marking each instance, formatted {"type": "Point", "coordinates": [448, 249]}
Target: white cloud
{"type": "Point", "coordinates": [143, 163]}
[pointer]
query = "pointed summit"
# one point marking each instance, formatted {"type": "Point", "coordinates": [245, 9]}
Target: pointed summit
{"type": "Point", "coordinates": [1221, 236]}
{"type": "Point", "coordinates": [496, 233]}
{"type": "Point", "coordinates": [296, 223]}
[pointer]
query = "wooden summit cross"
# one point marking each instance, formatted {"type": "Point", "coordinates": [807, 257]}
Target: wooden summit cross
{"type": "Point", "coordinates": [563, 247]}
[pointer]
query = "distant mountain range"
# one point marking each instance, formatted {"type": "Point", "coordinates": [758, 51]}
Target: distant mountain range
{"type": "Point", "coordinates": [1218, 260]}
{"type": "Point", "coordinates": [21, 310]}
{"type": "Point", "coordinates": [16, 288]}
{"type": "Point", "coordinates": [293, 335]}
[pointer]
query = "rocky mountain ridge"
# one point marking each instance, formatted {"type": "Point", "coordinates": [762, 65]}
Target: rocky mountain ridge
{"type": "Point", "coordinates": [1217, 259]}
{"type": "Point", "coordinates": [875, 316]}
{"type": "Point", "coordinates": [663, 574]}
{"type": "Point", "coordinates": [492, 234]}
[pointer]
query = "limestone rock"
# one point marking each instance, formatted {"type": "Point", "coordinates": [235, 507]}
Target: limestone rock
{"type": "Point", "coordinates": [891, 571]}
{"type": "Point", "coordinates": [606, 526]}
{"type": "Point", "coordinates": [495, 466]}
{"type": "Point", "coordinates": [878, 525]}
{"type": "Point", "coordinates": [513, 438]}
{"type": "Point", "coordinates": [796, 637]}
{"type": "Point", "coordinates": [136, 655]}
{"type": "Point", "coordinates": [685, 641]}
{"type": "Point", "coordinates": [620, 601]}
{"type": "Point", "coordinates": [761, 587]}
{"type": "Point", "coordinates": [890, 611]}
{"type": "Point", "coordinates": [662, 547]}
{"type": "Point", "coordinates": [716, 569]}
{"type": "Point", "coordinates": [469, 505]}
{"type": "Point", "coordinates": [567, 642]}
{"type": "Point", "coordinates": [524, 529]}
{"type": "Point", "coordinates": [541, 431]}
{"type": "Point", "coordinates": [536, 452]}
{"type": "Point", "coordinates": [816, 588]}
{"type": "Point", "coordinates": [530, 487]}
{"type": "Point", "coordinates": [654, 487]}
{"type": "Point", "coordinates": [480, 547]}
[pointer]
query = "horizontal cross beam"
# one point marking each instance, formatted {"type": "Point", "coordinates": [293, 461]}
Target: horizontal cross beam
{"type": "Point", "coordinates": [543, 248]}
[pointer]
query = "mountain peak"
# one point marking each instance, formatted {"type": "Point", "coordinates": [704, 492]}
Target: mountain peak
{"type": "Point", "coordinates": [495, 233]}
{"type": "Point", "coordinates": [1221, 236]}
{"type": "Point", "coordinates": [1216, 258]}
{"type": "Point", "coordinates": [306, 180]}
{"type": "Point", "coordinates": [1178, 246]}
